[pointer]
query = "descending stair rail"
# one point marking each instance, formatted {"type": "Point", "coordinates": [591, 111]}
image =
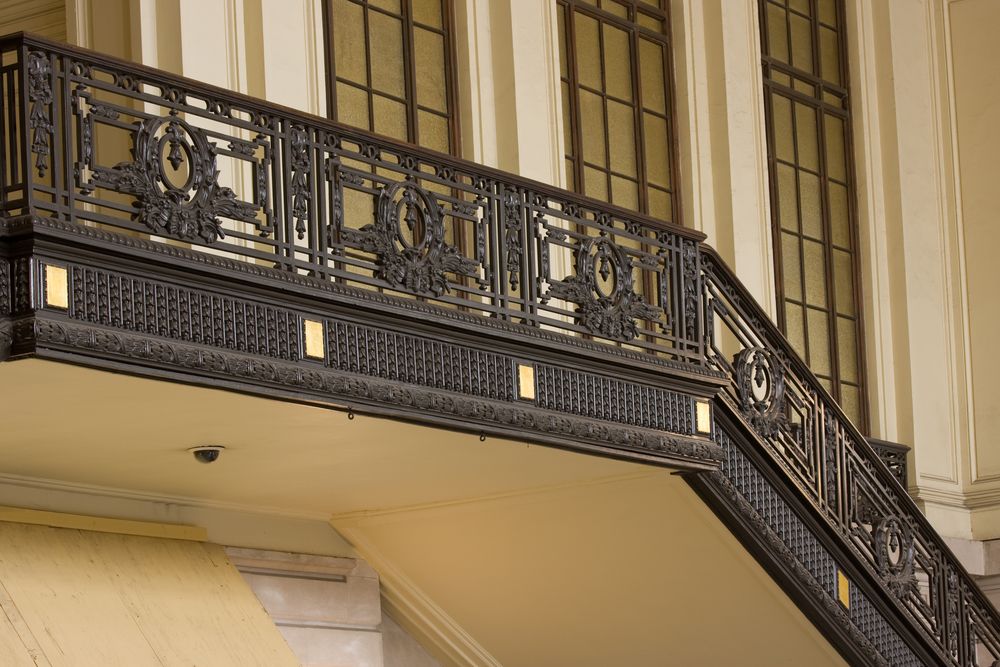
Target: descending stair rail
{"type": "Point", "coordinates": [122, 151]}
{"type": "Point", "coordinates": [841, 475]}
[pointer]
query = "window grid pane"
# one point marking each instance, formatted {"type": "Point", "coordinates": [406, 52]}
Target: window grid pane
{"type": "Point", "coordinates": [615, 69]}
{"type": "Point", "coordinates": [390, 68]}
{"type": "Point", "coordinates": [812, 192]}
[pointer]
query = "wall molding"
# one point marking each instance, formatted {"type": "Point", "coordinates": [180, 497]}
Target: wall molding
{"type": "Point", "coordinates": [414, 610]}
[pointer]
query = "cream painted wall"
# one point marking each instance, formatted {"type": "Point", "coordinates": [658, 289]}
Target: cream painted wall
{"type": "Point", "coordinates": [925, 102]}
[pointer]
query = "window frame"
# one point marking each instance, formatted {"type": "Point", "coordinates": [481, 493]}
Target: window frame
{"type": "Point", "coordinates": [410, 102]}
{"type": "Point", "coordinates": [634, 30]}
{"type": "Point", "coordinates": [771, 88]}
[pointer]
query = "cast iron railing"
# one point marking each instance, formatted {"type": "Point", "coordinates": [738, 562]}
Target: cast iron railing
{"type": "Point", "coordinates": [893, 455]}
{"type": "Point", "coordinates": [91, 140]}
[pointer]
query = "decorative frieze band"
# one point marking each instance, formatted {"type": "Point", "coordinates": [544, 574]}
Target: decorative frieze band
{"type": "Point", "coordinates": [229, 337]}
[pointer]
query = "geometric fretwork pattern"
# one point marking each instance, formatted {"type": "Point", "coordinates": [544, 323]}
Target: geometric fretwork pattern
{"type": "Point", "coordinates": [781, 518]}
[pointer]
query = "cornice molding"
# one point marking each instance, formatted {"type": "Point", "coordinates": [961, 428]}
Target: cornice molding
{"type": "Point", "coordinates": [415, 611]}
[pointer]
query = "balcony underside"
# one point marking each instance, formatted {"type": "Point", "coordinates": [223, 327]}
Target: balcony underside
{"type": "Point", "coordinates": [538, 556]}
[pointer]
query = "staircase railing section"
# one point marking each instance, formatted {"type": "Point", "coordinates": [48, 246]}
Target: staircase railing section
{"type": "Point", "coordinates": [90, 140]}
{"type": "Point", "coordinates": [840, 473]}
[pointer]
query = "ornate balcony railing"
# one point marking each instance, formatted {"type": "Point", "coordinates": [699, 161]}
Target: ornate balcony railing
{"type": "Point", "coordinates": [91, 141]}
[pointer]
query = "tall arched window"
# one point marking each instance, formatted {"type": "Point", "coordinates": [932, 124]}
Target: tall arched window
{"type": "Point", "coordinates": [812, 191]}
{"type": "Point", "coordinates": [390, 69]}
{"type": "Point", "coordinates": [617, 103]}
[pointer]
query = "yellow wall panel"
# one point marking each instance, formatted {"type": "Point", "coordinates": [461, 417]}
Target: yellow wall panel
{"type": "Point", "coordinates": [42, 17]}
{"type": "Point", "coordinates": [103, 599]}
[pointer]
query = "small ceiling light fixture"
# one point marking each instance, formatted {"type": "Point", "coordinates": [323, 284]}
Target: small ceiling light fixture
{"type": "Point", "coordinates": [207, 453]}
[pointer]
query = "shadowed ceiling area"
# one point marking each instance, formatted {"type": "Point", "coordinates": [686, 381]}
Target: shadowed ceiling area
{"type": "Point", "coordinates": [532, 555]}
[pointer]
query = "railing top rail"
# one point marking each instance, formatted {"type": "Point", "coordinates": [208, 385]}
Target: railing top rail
{"type": "Point", "coordinates": [251, 103]}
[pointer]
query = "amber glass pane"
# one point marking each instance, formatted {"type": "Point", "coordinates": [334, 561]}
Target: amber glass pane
{"type": "Point", "coordinates": [788, 210]}
{"type": "Point", "coordinates": [622, 138]}
{"type": "Point", "coordinates": [806, 137]}
{"type": "Point", "coordinates": [795, 328]}
{"type": "Point", "coordinates": [784, 134]}
{"type": "Point", "coordinates": [801, 6]}
{"type": "Point", "coordinates": [592, 118]}
{"type": "Point", "coordinates": [624, 192]}
{"type": "Point", "coordinates": [391, 5]}
{"type": "Point", "coordinates": [659, 203]}
{"type": "Point", "coordinates": [843, 279]}
{"type": "Point", "coordinates": [840, 222]}
{"type": "Point", "coordinates": [653, 23]}
{"type": "Point", "coordinates": [390, 117]}
{"type": "Point", "coordinates": [828, 12]}
{"type": "Point", "coordinates": [348, 41]}
{"type": "Point", "coordinates": [810, 205]}
{"type": "Point", "coordinates": [777, 37]}
{"type": "Point", "coordinates": [617, 63]}
{"type": "Point", "coordinates": [387, 56]}
{"type": "Point", "coordinates": [791, 267]}
{"type": "Point", "coordinates": [352, 106]}
{"type": "Point", "coordinates": [432, 90]}
{"type": "Point", "coordinates": [433, 131]}
{"type": "Point", "coordinates": [847, 342]}
{"type": "Point", "coordinates": [651, 76]}
{"type": "Point", "coordinates": [616, 8]}
{"type": "Point", "coordinates": [802, 41]}
{"type": "Point", "coordinates": [850, 401]}
{"type": "Point", "coordinates": [819, 341]}
{"type": "Point", "coordinates": [588, 52]}
{"type": "Point", "coordinates": [829, 55]}
{"type": "Point", "coordinates": [427, 12]}
{"type": "Point", "coordinates": [814, 261]}
{"type": "Point", "coordinates": [595, 183]}
{"type": "Point", "coordinates": [836, 165]}
{"type": "Point", "coordinates": [567, 113]}
{"type": "Point", "coordinates": [657, 150]}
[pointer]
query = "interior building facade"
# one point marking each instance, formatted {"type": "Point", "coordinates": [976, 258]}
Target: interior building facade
{"type": "Point", "coordinates": [499, 332]}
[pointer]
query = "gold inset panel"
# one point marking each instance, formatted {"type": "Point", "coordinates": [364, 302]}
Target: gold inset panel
{"type": "Point", "coordinates": [843, 589]}
{"type": "Point", "coordinates": [314, 341]}
{"type": "Point", "coordinates": [526, 382]}
{"type": "Point", "coordinates": [703, 417]}
{"type": "Point", "coordinates": [56, 287]}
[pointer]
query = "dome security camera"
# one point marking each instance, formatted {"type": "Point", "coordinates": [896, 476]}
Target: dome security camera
{"type": "Point", "coordinates": [207, 453]}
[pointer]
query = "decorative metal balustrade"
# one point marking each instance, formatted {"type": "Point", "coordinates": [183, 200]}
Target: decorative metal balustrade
{"type": "Point", "coordinates": [89, 140]}
{"type": "Point", "coordinates": [137, 150]}
{"type": "Point", "coordinates": [840, 473]}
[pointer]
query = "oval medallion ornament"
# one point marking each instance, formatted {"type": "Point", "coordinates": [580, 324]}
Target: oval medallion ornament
{"type": "Point", "coordinates": [893, 541]}
{"type": "Point", "coordinates": [603, 289]}
{"type": "Point", "coordinates": [760, 385]}
{"type": "Point", "coordinates": [175, 181]}
{"type": "Point", "coordinates": [407, 239]}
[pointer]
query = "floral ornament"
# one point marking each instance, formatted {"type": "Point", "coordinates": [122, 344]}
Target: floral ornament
{"type": "Point", "coordinates": [187, 209]}
{"type": "Point", "coordinates": [407, 239]}
{"type": "Point", "coordinates": [603, 290]}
